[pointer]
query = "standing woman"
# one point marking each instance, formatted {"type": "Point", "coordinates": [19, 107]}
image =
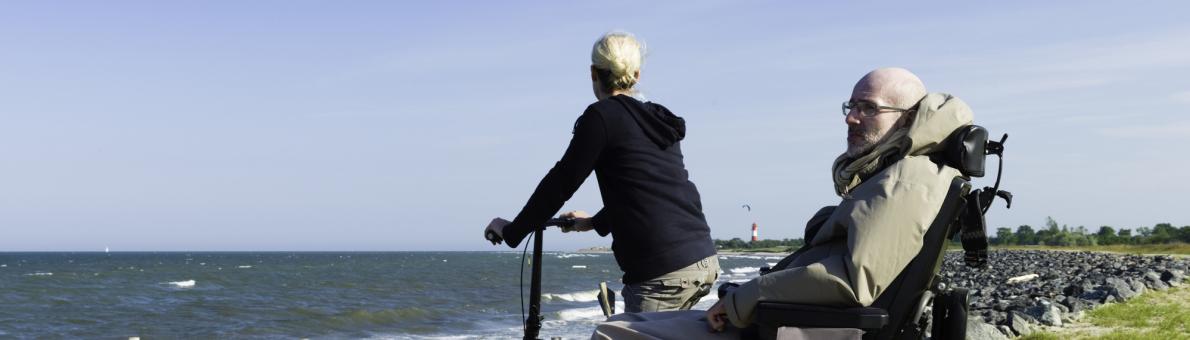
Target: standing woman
{"type": "Point", "coordinates": [659, 235]}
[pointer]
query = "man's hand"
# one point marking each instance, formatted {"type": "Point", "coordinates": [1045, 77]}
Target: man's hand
{"type": "Point", "coordinates": [717, 317]}
{"type": "Point", "coordinates": [495, 230]}
{"type": "Point", "coordinates": [582, 221]}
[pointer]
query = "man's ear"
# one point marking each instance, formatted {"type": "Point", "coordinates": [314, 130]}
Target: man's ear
{"type": "Point", "coordinates": [636, 75]}
{"type": "Point", "coordinates": [594, 74]}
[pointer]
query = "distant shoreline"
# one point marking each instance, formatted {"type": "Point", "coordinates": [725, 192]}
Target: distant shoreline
{"type": "Point", "coordinates": [607, 250]}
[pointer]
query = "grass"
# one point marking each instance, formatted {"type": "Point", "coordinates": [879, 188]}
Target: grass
{"type": "Point", "coordinates": [1168, 248]}
{"type": "Point", "coordinates": [1154, 315]}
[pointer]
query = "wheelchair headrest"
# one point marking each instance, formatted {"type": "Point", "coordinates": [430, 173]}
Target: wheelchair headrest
{"type": "Point", "coordinates": [966, 149]}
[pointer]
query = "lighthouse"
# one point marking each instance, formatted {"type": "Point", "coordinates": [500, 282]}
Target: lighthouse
{"type": "Point", "coordinates": [754, 232]}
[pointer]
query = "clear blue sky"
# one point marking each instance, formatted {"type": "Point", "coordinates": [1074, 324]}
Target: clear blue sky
{"type": "Point", "coordinates": [303, 125]}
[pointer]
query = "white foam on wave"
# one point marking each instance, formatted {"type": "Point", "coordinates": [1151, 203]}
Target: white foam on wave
{"type": "Point", "coordinates": [751, 257]}
{"type": "Point", "coordinates": [589, 313]}
{"type": "Point", "coordinates": [773, 257]}
{"type": "Point", "coordinates": [583, 296]}
{"type": "Point", "coordinates": [739, 280]}
{"type": "Point", "coordinates": [772, 264]}
{"type": "Point", "coordinates": [744, 270]}
{"type": "Point", "coordinates": [183, 284]}
{"type": "Point", "coordinates": [713, 296]}
{"type": "Point", "coordinates": [578, 267]}
{"type": "Point", "coordinates": [566, 256]}
{"type": "Point", "coordinates": [40, 274]}
{"type": "Point", "coordinates": [244, 267]}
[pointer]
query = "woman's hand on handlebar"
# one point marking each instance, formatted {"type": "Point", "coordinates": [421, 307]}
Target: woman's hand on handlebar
{"type": "Point", "coordinates": [495, 230]}
{"type": "Point", "coordinates": [582, 221]}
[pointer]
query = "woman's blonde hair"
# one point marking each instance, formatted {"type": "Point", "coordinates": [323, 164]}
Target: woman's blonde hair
{"type": "Point", "coordinates": [619, 55]}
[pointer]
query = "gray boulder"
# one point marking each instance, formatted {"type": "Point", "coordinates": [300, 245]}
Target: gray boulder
{"type": "Point", "coordinates": [979, 330]}
{"type": "Point", "coordinates": [1021, 324]}
{"type": "Point", "coordinates": [1137, 286]}
{"type": "Point", "coordinates": [1119, 288]}
{"type": "Point", "coordinates": [1152, 276]}
{"type": "Point", "coordinates": [1004, 329]}
{"type": "Point", "coordinates": [1052, 316]}
{"type": "Point", "coordinates": [1173, 277]}
{"type": "Point", "coordinates": [1157, 285]}
{"type": "Point", "coordinates": [1075, 305]}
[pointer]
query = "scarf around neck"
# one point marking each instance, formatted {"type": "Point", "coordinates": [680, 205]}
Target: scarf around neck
{"type": "Point", "coordinates": [849, 172]}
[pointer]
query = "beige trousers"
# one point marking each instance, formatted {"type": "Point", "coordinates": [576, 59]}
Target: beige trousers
{"type": "Point", "coordinates": [678, 290]}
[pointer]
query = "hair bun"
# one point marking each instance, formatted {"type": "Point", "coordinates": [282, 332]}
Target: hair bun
{"type": "Point", "coordinates": [621, 55]}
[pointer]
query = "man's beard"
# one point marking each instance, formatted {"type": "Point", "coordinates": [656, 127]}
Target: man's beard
{"type": "Point", "coordinates": [868, 141]}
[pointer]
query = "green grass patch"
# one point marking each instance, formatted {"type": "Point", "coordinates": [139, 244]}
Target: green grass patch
{"type": "Point", "coordinates": [1154, 315]}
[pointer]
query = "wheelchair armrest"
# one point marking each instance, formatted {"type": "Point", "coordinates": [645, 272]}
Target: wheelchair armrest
{"type": "Point", "coordinates": [779, 314]}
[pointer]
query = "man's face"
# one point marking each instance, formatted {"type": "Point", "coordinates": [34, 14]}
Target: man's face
{"type": "Point", "coordinates": [864, 132]}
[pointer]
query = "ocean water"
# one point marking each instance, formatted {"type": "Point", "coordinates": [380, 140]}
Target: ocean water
{"type": "Point", "coordinates": [390, 295]}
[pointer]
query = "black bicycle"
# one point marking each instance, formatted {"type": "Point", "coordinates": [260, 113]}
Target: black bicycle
{"type": "Point", "coordinates": [534, 319]}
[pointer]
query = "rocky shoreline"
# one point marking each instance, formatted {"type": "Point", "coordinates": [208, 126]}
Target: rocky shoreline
{"type": "Point", "coordinates": [1053, 288]}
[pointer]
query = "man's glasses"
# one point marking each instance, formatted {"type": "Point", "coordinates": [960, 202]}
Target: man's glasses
{"type": "Point", "coordinates": [869, 109]}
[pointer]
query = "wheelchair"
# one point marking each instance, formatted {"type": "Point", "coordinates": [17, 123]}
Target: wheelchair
{"type": "Point", "coordinates": [916, 304]}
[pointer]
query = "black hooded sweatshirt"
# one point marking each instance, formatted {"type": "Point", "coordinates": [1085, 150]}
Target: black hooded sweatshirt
{"type": "Point", "coordinates": [650, 206]}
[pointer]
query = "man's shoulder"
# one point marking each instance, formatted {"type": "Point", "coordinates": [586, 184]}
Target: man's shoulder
{"type": "Point", "coordinates": [915, 170]}
{"type": "Point", "coordinates": [922, 166]}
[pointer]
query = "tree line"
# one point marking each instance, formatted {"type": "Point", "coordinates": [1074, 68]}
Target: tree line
{"type": "Point", "coordinates": [1052, 235]}
{"type": "Point", "coordinates": [737, 243]}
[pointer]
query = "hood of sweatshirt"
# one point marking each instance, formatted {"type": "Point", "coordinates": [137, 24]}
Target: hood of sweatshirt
{"type": "Point", "coordinates": [661, 126]}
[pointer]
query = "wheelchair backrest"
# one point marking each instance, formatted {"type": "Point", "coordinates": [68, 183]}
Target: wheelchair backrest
{"type": "Point", "coordinates": [965, 149]}
{"type": "Point", "coordinates": [901, 298]}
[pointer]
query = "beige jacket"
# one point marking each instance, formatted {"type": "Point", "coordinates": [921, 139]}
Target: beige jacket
{"type": "Point", "coordinates": [874, 232]}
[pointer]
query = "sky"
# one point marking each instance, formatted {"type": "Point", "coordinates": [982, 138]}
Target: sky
{"type": "Point", "coordinates": [384, 125]}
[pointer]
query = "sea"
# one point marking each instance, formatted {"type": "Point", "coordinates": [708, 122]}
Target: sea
{"type": "Point", "coordinates": [317, 295]}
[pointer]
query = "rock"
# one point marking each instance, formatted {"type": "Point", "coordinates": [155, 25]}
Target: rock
{"type": "Point", "coordinates": [1062, 308]}
{"type": "Point", "coordinates": [1152, 276]}
{"type": "Point", "coordinates": [1073, 290]}
{"type": "Point", "coordinates": [1005, 330]}
{"type": "Point", "coordinates": [1021, 324]}
{"type": "Point", "coordinates": [999, 305]}
{"type": "Point", "coordinates": [1046, 313]}
{"type": "Point", "coordinates": [1022, 278]}
{"type": "Point", "coordinates": [1137, 286]}
{"type": "Point", "coordinates": [1157, 285]}
{"type": "Point", "coordinates": [1075, 305]}
{"type": "Point", "coordinates": [1052, 316]}
{"type": "Point", "coordinates": [1172, 276]}
{"type": "Point", "coordinates": [979, 330]}
{"type": "Point", "coordinates": [1067, 283]}
{"type": "Point", "coordinates": [1121, 289]}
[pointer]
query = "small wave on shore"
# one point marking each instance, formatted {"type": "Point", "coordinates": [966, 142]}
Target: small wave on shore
{"type": "Point", "coordinates": [586, 313]}
{"type": "Point", "coordinates": [744, 270]}
{"type": "Point", "coordinates": [583, 296]}
{"type": "Point", "coordinates": [566, 256]}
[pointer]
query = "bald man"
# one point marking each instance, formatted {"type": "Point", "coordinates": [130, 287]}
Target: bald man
{"type": "Point", "coordinates": [891, 191]}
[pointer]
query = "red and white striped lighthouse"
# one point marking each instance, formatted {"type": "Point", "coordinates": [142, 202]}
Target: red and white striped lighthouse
{"type": "Point", "coordinates": [754, 234]}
